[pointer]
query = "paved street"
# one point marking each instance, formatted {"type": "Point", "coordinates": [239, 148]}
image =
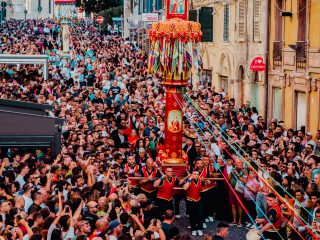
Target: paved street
{"type": "Point", "coordinates": [234, 232]}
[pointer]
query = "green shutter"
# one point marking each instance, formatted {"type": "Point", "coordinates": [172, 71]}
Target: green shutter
{"type": "Point", "coordinates": [206, 21]}
{"type": "Point", "coordinates": [193, 15]}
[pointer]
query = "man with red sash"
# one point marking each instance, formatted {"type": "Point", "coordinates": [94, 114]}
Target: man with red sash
{"type": "Point", "coordinates": [165, 185]}
{"type": "Point", "coordinates": [203, 173]}
{"type": "Point", "coordinates": [271, 228]}
{"type": "Point", "coordinates": [150, 172]}
{"type": "Point", "coordinates": [207, 192]}
{"type": "Point", "coordinates": [193, 186]}
{"type": "Point", "coordinates": [132, 170]}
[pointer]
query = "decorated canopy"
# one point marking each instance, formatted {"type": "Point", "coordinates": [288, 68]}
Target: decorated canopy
{"type": "Point", "coordinates": [174, 49]}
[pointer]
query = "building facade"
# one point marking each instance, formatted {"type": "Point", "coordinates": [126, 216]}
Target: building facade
{"type": "Point", "coordinates": [294, 73]}
{"type": "Point", "coordinates": [29, 9]}
{"type": "Point", "coordinates": [139, 15]}
{"type": "Point", "coordinates": [234, 33]}
{"type": "Point", "coordinates": [33, 9]}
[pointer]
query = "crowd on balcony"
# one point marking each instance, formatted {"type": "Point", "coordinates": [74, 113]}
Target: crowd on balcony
{"type": "Point", "coordinates": [108, 182]}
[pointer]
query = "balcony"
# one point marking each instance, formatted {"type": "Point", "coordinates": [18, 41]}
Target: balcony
{"type": "Point", "coordinates": [301, 55]}
{"type": "Point", "coordinates": [277, 54]}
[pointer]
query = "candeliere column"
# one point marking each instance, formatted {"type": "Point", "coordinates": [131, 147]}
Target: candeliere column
{"type": "Point", "coordinates": [175, 55]}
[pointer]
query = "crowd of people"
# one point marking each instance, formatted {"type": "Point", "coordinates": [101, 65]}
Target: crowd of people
{"type": "Point", "coordinates": [108, 183]}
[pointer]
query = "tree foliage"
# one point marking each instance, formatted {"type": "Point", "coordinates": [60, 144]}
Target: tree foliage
{"type": "Point", "coordinates": [108, 14]}
{"type": "Point", "coordinates": [78, 3]}
{"type": "Point", "coordinates": [97, 6]}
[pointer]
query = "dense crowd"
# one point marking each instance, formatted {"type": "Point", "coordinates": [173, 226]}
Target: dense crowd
{"type": "Point", "coordinates": [107, 182]}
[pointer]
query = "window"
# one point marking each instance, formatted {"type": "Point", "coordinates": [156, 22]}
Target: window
{"type": "Point", "coordinates": [206, 76]}
{"type": "Point", "coordinates": [241, 21]}
{"type": "Point", "coordinates": [277, 104]}
{"type": "Point", "coordinates": [49, 6]}
{"type": "Point", "coordinates": [256, 21]}
{"type": "Point", "coordinates": [159, 4]}
{"type": "Point", "coordinates": [301, 109]}
{"type": "Point", "coordinates": [206, 21]}
{"type": "Point", "coordinates": [278, 20]}
{"type": "Point", "coordinates": [3, 12]}
{"type": "Point", "coordinates": [226, 23]}
{"type": "Point", "coordinates": [144, 6]}
{"type": "Point", "coordinates": [193, 15]}
{"type": "Point", "coordinates": [302, 19]}
{"type": "Point", "coordinates": [278, 25]}
{"type": "Point", "coordinates": [224, 83]}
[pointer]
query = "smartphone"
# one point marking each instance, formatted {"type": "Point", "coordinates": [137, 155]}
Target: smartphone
{"type": "Point", "coordinates": [67, 209]}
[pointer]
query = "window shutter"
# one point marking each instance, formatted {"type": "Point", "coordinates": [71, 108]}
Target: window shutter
{"type": "Point", "coordinates": [193, 15]}
{"type": "Point", "coordinates": [226, 23]}
{"type": "Point", "coordinates": [256, 21]}
{"type": "Point", "coordinates": [206, 21]}
{"type": "Point", "coordinates": [241, 21]}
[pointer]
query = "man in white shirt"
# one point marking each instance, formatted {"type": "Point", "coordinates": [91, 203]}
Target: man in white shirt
{"type": "Point", "coordinates": [300, 202]}
{"type": "Point", "coordinates": [23, 170]}
{"type": "Point", "coordinates": [310, 140]}
{"type": "Point", "coordinates": [27, 188]}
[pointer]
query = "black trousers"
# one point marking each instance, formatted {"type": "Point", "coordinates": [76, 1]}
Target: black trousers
{"type": "Point", "coordinates": [177, 199]}
{"type": "Point", "coordinates": [164, 205]}
{"type": "Point", "coordinates": [208, 203]}
{"type": "Point", "coordinates": [195, 211]}
{"type": "Point", "coordinates": [251, 207]}
{"type": "Point", "coordinates": [295, 236]}
{"type": "Point", "coordinates": [152, 196]}
{"type": "Point", "coordinates": [273, 235]}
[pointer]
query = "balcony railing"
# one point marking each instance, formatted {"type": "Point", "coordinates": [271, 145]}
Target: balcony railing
{"type": "Point", "coordinates": [301, 55]}
{"type": "Point", "coordinates": [277, 53]}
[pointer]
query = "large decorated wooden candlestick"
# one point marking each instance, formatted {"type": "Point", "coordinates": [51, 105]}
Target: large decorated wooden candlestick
{"type": "Point", "coordinates": [174, 54]}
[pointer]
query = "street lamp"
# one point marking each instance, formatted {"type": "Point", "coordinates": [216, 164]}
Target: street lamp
{"type": "Point", "coordinates": [25, 14]}
{"type": "Point", "coordinates": [26, 10]}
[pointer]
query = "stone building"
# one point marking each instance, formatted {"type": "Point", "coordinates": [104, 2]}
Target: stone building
{"type": "Point", "coordinates": [294, 74]}
{"type": "Point", "coordinates": [33, 9]}
{"type": "Point", "coordinates": [29, 9]}
{"type": "Point", "coordinates": [234, 33]}
{"type": "Point", "coordinates": [139, 16]}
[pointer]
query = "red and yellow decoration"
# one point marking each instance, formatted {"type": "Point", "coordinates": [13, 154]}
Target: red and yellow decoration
{"type": "Point", "coordinates": [175, 50]}
{"type": "Point", "coordinates": [175, 55]}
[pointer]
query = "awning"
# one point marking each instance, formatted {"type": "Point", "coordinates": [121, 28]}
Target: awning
{"type": "Point", "coordinates": [65, 2]}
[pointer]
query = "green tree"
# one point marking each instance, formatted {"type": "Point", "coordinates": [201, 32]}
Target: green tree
{"type": "Point", "coordinates": [108, 14]}
{"type": "Point", "coordinates": [78, 3]}
{"type": "Point", "coordinates": [97, 6]}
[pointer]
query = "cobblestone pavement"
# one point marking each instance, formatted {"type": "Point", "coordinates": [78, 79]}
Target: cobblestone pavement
{"type": "Point", "coordinates": [235, 233]}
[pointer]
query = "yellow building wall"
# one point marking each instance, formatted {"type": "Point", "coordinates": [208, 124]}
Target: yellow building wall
{"type": "Point", "coordinates": [291, 24]}
{"type": "Point", "coordinates": [288, 106]}
{"type": "Point", "coordinates": [271, 34]}
{"type": "Point", "coordinates": [314, 111]}
{"type": "Point", "coordinates": [314, 23]}
{"type": "Point", "coordinates": [314, 33]}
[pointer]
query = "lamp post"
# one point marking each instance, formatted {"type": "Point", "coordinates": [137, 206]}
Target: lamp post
{"type": "Point", "coordinates": [25, 14]}
{"type": "Point", "coordinates": [26, 10]}
{"type": "Point", "coordinates": [1, 13]}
